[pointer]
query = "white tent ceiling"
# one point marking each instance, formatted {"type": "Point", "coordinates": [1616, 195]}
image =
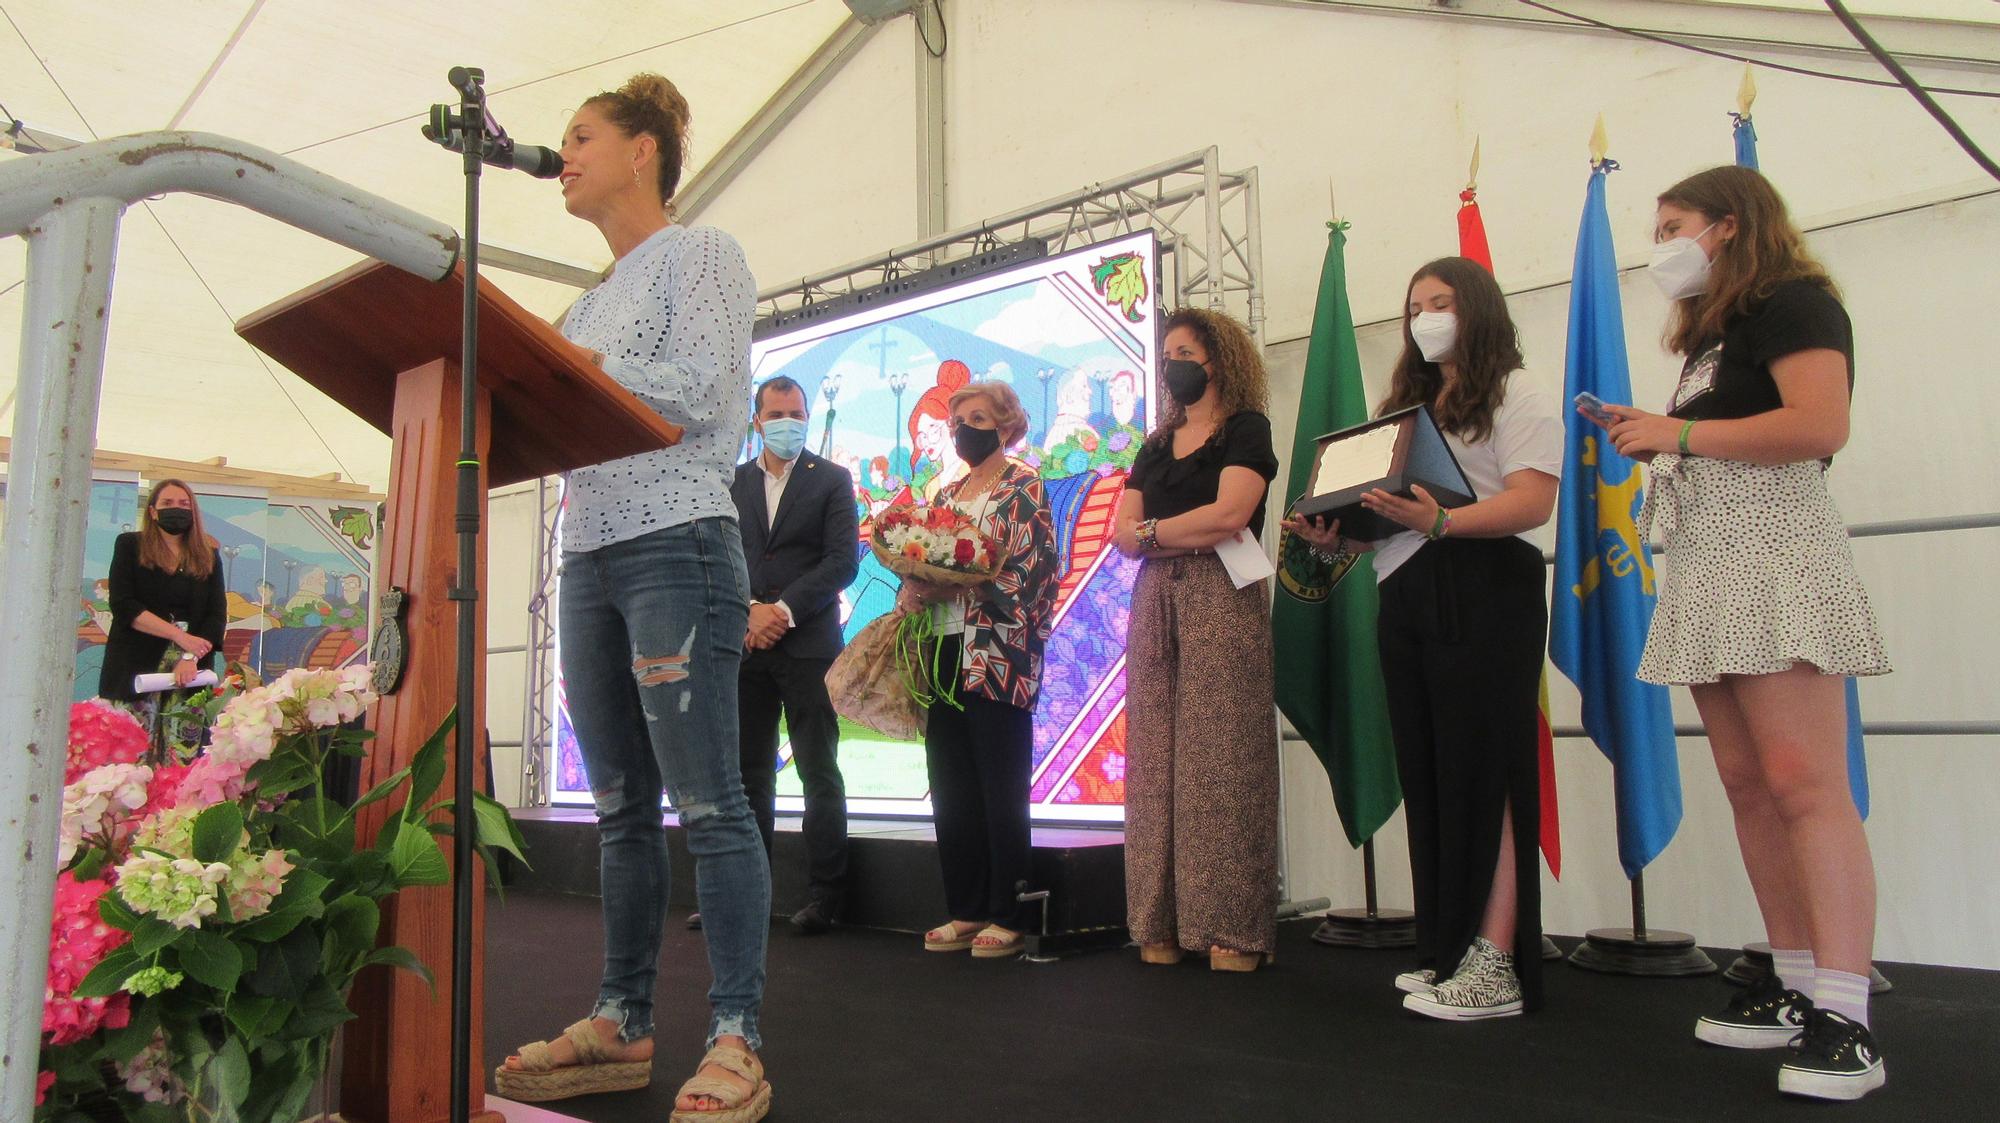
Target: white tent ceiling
{"type": "Point", "coordinates": [341, 87]}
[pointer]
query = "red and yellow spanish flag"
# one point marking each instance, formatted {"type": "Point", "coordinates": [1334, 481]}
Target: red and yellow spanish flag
{"type": "Point", "coordinates": [1472, 244]}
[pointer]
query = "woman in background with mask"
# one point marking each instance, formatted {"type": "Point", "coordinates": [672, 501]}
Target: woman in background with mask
{"type": "Point", "coordinates": [1761, 615]}
{"type": "Point", "coordinates": [1462, 628]}
{"type": "Point", "coordinates": [166, 592]}
{"type": "Point", "coordinates": [980, 744]}
{"type": "Point", "coordinates": [1201, 766]}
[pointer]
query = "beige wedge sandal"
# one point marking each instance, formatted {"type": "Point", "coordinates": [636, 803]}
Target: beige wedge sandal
{"type": "Point", "coordinates": [540, 1078]}
{"type": "Point", "coordinates": [738, 1105]}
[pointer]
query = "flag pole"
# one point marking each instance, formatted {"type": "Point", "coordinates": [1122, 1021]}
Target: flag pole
{"type": "Point", "coordinates": [1370, 926]}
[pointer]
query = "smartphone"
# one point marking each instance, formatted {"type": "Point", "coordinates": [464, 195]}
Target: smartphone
{"type": "Point", "coordinates": [1594, 406]}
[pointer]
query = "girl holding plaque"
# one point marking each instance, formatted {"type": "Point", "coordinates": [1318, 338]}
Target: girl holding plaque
{"type": "Point", "coordinates": [1760, 614]}
{"type": "Point", "coordinates": [1462, 628]}
{"type": "Point", "coordinates": [1201, 778]}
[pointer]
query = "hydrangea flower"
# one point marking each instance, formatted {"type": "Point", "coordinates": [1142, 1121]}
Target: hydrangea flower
{"type": "Point", "coordinates": [101, 803]}
{"type": "Point", "coordinates": [149, 981]}
{"type": "Point", "coordinates": [100, 734]}
{"type": "Point", "coordinates": [180, 891]}
{"type": "Point", "coordinates": [78, 941]}
{"type": "Point", "coordinates": [150, 1075]}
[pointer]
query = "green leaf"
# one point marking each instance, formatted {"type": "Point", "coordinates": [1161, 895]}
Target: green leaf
{"type": "Point", "coordinates": [417, 860]}
{"type": "Point", "coordinates": [404, 958]}
{"type": "Point", "coordinates": [153, 934]}
{"type": "Point", "coordinates": [282, 774]}
{"type": "Point", "coordinates": [367, 873]}
{"type": "Point", "coordinates": [151, 1113]}
{"type": "Point", "coordinates": [115, 912]}
{"type": "Point", "coordinates": [229, 1074]}
{"type": "Point", "coordinates": [498, 829]}
{"type": "Point", "coordinates": [210, 958]}
{"type": "Point", "coordinates": [131, 1039]}
{"type": "Point", "coordinates": [250, 1013]}
{"type": "Point", "coordinates": [351, 923]}
{"type": "Point", "coordinates": [110, 974]}
{"type": "Point", "coordinates": [382, 790]}
{"type": "Point", "coordinates": [285, 969]}
{"type": "Point", "coordinates": [90, 864]}
{"type": "Point", "coordinates": [320, 1011]}
{"type": "Point", "coordinates": [218, 831]}
{"type": "Point", "coordinates": [427, 767]}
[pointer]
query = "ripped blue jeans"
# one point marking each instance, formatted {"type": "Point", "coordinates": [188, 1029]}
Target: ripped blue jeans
{"type": "Point", "coordinates": [652, 638]}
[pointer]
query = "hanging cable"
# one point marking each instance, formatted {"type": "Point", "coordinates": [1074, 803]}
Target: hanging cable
{"type": "Point", "coordinates": [1650, 37]}
{"type": "Point", "coordinates": [1904, 80]}
{"type": "Point", "coordinates": [937, 9]}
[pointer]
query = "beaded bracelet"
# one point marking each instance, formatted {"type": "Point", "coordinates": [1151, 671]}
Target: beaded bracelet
{"type": "Point", "coordinates": [1149, 534]}
{"type": "Point", "coordinates": [1685, 429]}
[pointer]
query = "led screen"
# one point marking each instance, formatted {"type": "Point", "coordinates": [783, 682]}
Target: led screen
{"type": "Point", "coordinates": [1075, 335]}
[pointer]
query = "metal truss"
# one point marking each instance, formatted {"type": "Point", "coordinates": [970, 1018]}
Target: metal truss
{"type": "Point", "coordinates": [538, 697]}
{"type": "Point", "coordinates": [1211, 240]}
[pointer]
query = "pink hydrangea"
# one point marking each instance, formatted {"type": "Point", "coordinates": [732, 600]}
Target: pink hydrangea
{"type": "Point", "coordinates": [78, 941]}
{"type": "Point", "coordinates": [150, 1075]}
{"type": "Point", "coordinates": [254, 881]}
{"type": "Point", "coordinates": [100, 734]}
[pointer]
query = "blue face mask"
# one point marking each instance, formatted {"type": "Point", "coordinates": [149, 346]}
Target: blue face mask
{"type": "Point", "coordinates": [784, 437]}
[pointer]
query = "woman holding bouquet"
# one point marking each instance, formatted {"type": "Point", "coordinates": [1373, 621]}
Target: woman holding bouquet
{"type": "Point", "coordinates": [1201, 769]}
{"type": "Point", "coordinates": [980, 744]}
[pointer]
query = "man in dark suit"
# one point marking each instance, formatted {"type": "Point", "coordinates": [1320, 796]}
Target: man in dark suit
{"type": "Point", "coordinates": [798, 518]}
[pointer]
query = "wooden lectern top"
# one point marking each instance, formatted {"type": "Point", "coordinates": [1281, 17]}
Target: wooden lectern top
{"type": "Point", "coordinates": [353, 333]}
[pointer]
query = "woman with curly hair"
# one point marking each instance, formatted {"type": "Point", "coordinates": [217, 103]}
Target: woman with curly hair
{"type": "Point", "coordinates": [1201, 779]}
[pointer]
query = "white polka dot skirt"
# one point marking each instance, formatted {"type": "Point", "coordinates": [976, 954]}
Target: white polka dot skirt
{"type": "Point", "coordinates": [1758, 574]}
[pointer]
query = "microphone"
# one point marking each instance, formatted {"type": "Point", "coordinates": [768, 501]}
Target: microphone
{"type": "Point", "coordinates": [497, 151]}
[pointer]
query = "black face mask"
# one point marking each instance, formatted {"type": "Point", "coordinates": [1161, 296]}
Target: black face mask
{"type": "Point", "coordinates": [1186, 381]}
{"type": "Point", "coordinates": [975, 445]}
{"type": "Point", "coordinates": [175, 520]}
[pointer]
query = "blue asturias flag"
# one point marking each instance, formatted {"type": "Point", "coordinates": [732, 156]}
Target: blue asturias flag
{"type": "Point", "coordinates": [1857, 753]}
{"type": "Point", "coordinates": [1604, 583]}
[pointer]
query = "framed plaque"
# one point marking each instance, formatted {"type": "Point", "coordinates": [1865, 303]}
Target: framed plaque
{"type": "Point", "coordinates": [1392, 452]}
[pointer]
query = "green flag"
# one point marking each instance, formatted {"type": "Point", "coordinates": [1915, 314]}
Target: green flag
{"type": "Point", "coordinates": [1329, 673]}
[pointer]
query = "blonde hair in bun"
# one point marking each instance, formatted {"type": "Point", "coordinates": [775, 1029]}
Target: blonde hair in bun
{"type": "Point", "coordinates": [648, 103]}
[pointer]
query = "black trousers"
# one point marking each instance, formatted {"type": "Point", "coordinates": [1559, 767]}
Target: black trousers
{"type": "Point", "coordinates": [979, 761]}
{"type": "Point", "coordinates": [1463, 627]}
{"type": "Point", "coordinates": [770, 683]}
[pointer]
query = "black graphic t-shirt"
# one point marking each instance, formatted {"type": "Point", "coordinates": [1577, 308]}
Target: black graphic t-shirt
{"type": "Point", "coordinates": [1731, 377]}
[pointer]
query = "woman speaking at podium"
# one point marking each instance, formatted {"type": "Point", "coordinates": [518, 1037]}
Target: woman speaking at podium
{"type": "Point", "coordinates": [1463, 626]}
{"type": "Point", "coordinates": [653, 611]}
{"type": "Point", "coordinates": [1760, 614]}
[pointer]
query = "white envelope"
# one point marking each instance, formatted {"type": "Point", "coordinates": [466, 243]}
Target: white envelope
{"type": "Point", "coordinates": [1244, 558]}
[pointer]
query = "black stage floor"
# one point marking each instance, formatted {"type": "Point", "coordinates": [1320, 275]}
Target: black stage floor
{"type": "Point", "coordinates": [864, 1025]}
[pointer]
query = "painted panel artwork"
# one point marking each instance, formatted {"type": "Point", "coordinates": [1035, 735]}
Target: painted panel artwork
{"type": "Point", "coordinates": [1076, 336]}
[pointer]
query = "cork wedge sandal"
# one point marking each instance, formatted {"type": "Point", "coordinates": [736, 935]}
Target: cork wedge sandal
{"type": "Point", "coordinates": [738, 1105]}
{"type": "Point", "coordinates": [540, 1078]}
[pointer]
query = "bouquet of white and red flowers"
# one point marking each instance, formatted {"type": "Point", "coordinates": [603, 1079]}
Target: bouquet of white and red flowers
{"type": "Point", "coordinates": [936, 543]}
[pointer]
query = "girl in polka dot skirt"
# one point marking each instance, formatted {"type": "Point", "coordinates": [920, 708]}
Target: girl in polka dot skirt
{"type": "Point", "coordinates": [1760, 613]}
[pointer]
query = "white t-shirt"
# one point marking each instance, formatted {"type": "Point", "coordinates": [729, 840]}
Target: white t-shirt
{"type": "Point", "coordinates": [1527, 433]}
{"type": "Point", "coordinates": [673, 325]}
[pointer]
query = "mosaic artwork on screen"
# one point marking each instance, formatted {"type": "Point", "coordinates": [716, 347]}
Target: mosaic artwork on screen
{"type": "Point", "coordinates": [1075, 335]}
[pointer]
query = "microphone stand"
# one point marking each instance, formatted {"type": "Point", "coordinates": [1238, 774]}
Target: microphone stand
{"type": "Point", "coordinates": [471, 127]}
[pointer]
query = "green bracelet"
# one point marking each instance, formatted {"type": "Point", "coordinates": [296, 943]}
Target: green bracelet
{"type": "Point", "coordinates": [1684, 438]}
{"type": "Point", "coordinates": [1438, 527]}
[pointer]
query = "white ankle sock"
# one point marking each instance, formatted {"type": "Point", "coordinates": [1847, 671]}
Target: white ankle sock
{"type": "Point", "coordinates": [1794, 968]}
{"type": "Point", "coordinates": [1843, 993]}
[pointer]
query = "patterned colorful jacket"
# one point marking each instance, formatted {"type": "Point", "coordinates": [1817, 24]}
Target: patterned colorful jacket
{"type": "Point", "coordinates": [1012, 614]}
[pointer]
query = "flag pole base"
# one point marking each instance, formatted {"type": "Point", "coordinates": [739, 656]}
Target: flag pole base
{"type": "Point", "coordinates": [1755, 963]}
{"type": "Point", "coordinates": [1550, 950]}
{"type": "Point", "coordinates": [1655, 953]}
{"type": "Point", "coordinates": [1354, 928]}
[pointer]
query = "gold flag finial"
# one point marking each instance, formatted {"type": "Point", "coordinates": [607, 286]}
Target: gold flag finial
{"type": "Point", "coordinates": [1472, 173]}
{"type": "Point", "coordinates": [1746, 92]}
{"type": "Point", "coordinates": [1599, 143]}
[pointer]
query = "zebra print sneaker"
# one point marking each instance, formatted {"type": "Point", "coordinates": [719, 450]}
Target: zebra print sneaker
{"type": "Point", "coordinates": [1417, 982]}
{"type": "Point", "coordinates": [1484, 987]}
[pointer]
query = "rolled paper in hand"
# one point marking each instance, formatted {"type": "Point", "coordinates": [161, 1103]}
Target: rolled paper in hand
{"type": "Point", "coordinates": [164, 680]}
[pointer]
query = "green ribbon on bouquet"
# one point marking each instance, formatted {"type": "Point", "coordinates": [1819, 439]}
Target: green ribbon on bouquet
{"type": "Point", "coordinates": [914, 633]}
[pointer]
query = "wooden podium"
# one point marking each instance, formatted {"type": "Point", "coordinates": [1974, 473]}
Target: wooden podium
{"type": "Point", "coordinates": [385, 344]}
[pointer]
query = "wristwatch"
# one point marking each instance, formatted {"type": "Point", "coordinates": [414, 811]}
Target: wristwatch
{"type": "Point", "coordinates": [187, 656]}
